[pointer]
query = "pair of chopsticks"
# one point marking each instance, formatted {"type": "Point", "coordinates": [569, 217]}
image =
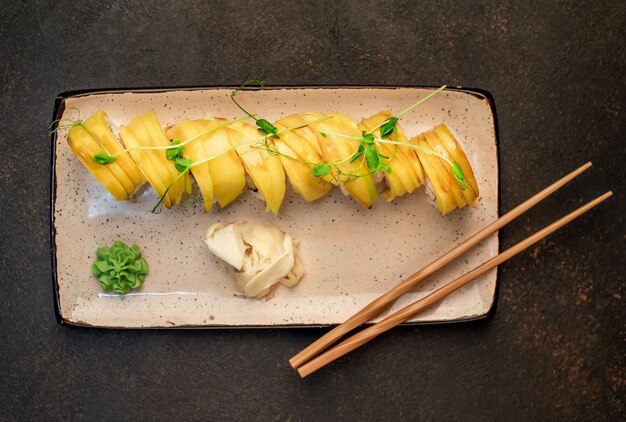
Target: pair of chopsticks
{"type": "Point", "coordinates": [311, 358]}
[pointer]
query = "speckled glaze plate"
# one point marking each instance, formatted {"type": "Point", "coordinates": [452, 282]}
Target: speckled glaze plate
{"type": "Point", "coordinates": [351, 254]}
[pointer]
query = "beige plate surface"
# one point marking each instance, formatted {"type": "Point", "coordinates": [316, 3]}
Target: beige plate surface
{"type": "Point", "coordinates": [351, 255]}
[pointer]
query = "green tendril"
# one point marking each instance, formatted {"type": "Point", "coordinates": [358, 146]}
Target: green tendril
{"type": "Point", "coordinates": [263, 125]}
{"type": "Point", "coordinates": [56, 125]}
{"type": "Point", "coordinates": [189, 204]}
{"type": "Point", "coordinates": [367, 150]}
{"type": "Point", "coordinates": [387, 127]}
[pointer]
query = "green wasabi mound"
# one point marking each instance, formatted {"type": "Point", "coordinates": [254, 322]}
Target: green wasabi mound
{"type": "Point", "coordinates": [120, 267]}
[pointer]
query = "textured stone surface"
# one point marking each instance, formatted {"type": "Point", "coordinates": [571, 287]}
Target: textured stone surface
{"type": "Point", "coordinates": [555, 348]}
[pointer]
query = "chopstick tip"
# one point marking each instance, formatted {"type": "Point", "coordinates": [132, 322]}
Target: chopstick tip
{"type": "Point", "coordinates": [302, 373]}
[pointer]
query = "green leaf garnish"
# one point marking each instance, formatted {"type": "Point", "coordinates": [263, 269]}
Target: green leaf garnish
{"type": "Point", "coordinates": [321, 169]}
{"type": "Point", "coordinates": [267, 128]}
{"type": "Point", "coordinates": [367, 138]}
{"type": "Point", "coordinates": [386, 130]}
{"type": "Point", "coordinates": [458, 174]}
{"type": "Point", "coordinates": [102, 158]}
{"type": "Point", "coordinates": [182, 164]}
{"type": "Point", "coordinates": [372, 158]}
{"type": "Point", "coordinates": [174, 153]}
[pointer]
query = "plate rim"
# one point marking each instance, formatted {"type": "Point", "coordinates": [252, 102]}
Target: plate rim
{"type": "Point", "coordinates": [59, 108]}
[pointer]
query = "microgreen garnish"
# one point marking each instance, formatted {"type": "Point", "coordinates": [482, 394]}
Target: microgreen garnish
{"type": "Point", "coordinates": [103, 158]}
{"type": "Point", "coordinates": [59, 123]}
{"type": "Point", "coordinates": [182, 164]}
{"type": "Point", "coordinates": [458, 174]}
{"type": "Point", "coordinates": [263, 125]}
{"type": "Point", "coordinates": [189, 203]}
{"type": "Point", "coordinates": [267, 128]}
{"type": "Point", "coordinates": [367, 150]}
{"type": "Point", "coordinates": [321, 169]}
{"type": "Point", "coordinates": [173, 153]}
{"type": "Point", "coordinates": [388, 127]}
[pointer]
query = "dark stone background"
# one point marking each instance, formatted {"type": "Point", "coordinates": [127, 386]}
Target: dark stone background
{"type": "Point", "coordinates": [553, 351]}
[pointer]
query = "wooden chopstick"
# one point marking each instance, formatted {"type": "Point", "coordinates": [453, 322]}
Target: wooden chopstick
{"type": "Point", "coordinates": [383, 302]}
{"type": "Point", "coordinates": [409, 311]}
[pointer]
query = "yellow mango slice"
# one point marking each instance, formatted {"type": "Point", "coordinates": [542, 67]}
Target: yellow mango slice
{"type": "Point", "coordinates": [146, 131]}
{"type": "Point", "coordinates": [444, 198]}
{"type": "Point", "coordinates": [457, 154]}
{"type": "Point", "coordinates": [444, 169]}
{"type": "Point", "coordinates": [403, 160]}
{"type": "Point", "coordinates": [306, 134]}
{"type": "Point", "coordinates": [227, 172]}
{"type": "Point", "coordinates": [157, 134]}
{"type": "Point", "coordinates": [194, 150]}
{"type": "Point", "coordinates": [337, 148]}
{"type": "Point", "coordinates": [301, 144]}
{"type": "Point", "coordinates": [265, 170]}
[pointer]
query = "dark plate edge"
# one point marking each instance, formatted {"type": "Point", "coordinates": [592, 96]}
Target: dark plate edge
{"type": "Point", "coordinates": [496, 294]}
{"type": "Point", "coordinates": [80, 324]}
{"type": "Point", "coordinates": [59, 107]}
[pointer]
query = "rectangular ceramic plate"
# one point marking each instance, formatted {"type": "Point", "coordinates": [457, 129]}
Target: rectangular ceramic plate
{"type": "Point", "coordinates": [351, 254]}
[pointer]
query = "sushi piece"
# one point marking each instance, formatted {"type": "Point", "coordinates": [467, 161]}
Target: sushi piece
{"type": "Point", "coordinates": [456, 154]}
{"type": "Point", "coordinates": [194, 151]}
{"type": "Point", "coordinates": [337, 149]}
{"type": "Point", "coordinates": [222, 177]}
{"type": "Point", "coordinates": [146, 131]}
{"type": "Point", "coordinates": [441, 182]}
{"type": "Point", "coordinates": [227, 171]}
{"type": "Point", "coordinates": [265, 169]}
{"type": "Point", "coordinates": [406, 173]}
{"type": "Point", "coordinates": [94, 136]}
{"type": "Point", "coordinates": [301, 145]}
